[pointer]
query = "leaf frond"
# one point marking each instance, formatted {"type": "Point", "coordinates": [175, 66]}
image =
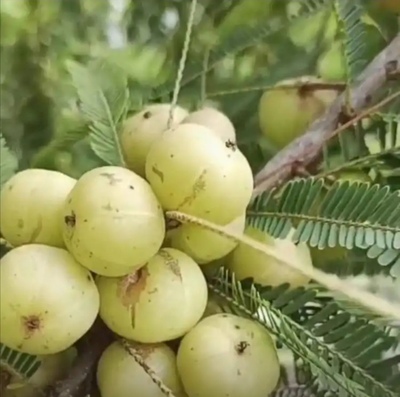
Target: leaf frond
{"type": "Point", "coordinates": [103, 94]}
{"type": "Point", "coordinates": [348, 215]}
{"type": "Point", "coordinates": [20, 364]}
{"type": "Point", "coordinates": [349, 15]}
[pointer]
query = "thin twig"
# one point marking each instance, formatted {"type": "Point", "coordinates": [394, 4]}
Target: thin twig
{"type": "Point", "coordinates": [306, 148]}
{"type": "Point", "coordinates": [138, 358]}
{"type": "Point", "coordinates": [182, 61]}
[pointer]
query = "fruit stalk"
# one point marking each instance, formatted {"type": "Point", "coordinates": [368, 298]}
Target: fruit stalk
{"type": "Point", "coordinates": [306, 148]}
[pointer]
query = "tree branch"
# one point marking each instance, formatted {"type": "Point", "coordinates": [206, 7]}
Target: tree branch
{"type": "Point", "coordinates": [305, 149]}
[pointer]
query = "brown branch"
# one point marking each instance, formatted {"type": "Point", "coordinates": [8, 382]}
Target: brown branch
{"type": "Point", "coordinates": [305, 149]}
{"type": "Point", "coordinates": [81, 374]}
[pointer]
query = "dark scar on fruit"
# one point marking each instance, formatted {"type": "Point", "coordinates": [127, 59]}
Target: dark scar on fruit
{"type": "Point", "coordinates": [70, 220]}
{"type": "Point", "coordinates": [242, 346]}
{"type": "Point", "coordinates": [111, 178]}
{"type": "Point", "coordinates": [158, 173]}
{"type": "Point", "coordinates": [230, 145]}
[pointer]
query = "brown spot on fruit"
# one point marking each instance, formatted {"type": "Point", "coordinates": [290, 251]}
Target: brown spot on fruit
{"type": "Point", "coordinates": [111, 178]}
{"type": "Point", "coordinates": [241, 347]}
{"type": "Point", "coordinates": [70, 220]}
{"type": "Point", "coordinates": [158, 173]}
{"type": "Point", "coordinates": [171, 263]}
{"type": "Point", "coordinates": [130, 288]}
{"type": "Point", "coordinates": [31, 324]}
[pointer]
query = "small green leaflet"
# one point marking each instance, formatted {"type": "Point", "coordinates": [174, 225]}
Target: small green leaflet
{"type": "Point", "coordinates": [103, 94]}
{"type": "Point", "coordinates": [8, 161]}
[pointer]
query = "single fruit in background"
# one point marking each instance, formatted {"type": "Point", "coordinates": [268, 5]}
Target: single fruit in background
{"type": "Point", "coordinates": [204, 245]}
{"type": "Point", "coordinates": [191, 170]}
{"type": "Point", "coordinates": [113, 223]}
{"type": "Point", "coordinates": [246, 261]}
{"type": "Point", "coordinates": [141, 130]}
{"type": "Point", "coordinates": [215, 121]}
{"type": "Point", "coordinates": [53, 367]}
{"type": "Point", "coordinates": [338, 253]}
{"type": "Point", "coordinates": [305, 32]}
{"type": "Point", "coordinates": [285, 113]}
{"type": "Point", "coordinates": [31, 204]}
{"type": "Point", "coordinates": [119, 375]}
{"type": "Point", "coordinates": [48, 301]}
{"type": "Point", "coordinates": [332, 63]}
{"type": "Point", "coordinates": [160, 302]}
{"type": "Point", "coordinates": [227, 355]}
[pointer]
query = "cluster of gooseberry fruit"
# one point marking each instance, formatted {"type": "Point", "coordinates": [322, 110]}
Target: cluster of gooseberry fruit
{"type": "Point", "coordinates": [100, 246]}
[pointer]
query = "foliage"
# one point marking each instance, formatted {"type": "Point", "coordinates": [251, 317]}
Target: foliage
{"type": "Point", "coordinates": [67, 86]}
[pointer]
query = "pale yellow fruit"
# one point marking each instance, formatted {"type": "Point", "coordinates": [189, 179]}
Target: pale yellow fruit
{"type": "Point", "coordinates": [119, 375]}
{"type": "Point", "coordinates": [141, 130]}
{"type": "Point", "coordinates": [47, 300]}
{"type": "Point", "coordinates": [204, 245]}
{"type": "Point", "coordinates": [161, 302]}
{"type": "Point", "coordinates": [227, 355]}
{"type": "Point", "coordinates": [113, 222]}
{"type": "Point", "coordinates": [285, 113]}
{"type": "Point", "coordinates": [31, 204]}
{"type": "Point", "coordinates": [215, 121]}
{"type": "Point", "coordinates": [191, 170]}
{"type": "Point", "coordinates": [246, 261]}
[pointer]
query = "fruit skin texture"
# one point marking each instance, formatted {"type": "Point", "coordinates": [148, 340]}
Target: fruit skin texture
{"type": "Point", "coordinates": [204, 245]}
{"type": "Point", "coordinates": [191, 170]}
{"type": "Point", "coordinates": [47, 300]}
{"type": "Point", "coordinates": [246, 261]}
{"type": "Point", "coordinates": [215, 121]}
{"type": "Point", "coordinates": [141, 130]}
{"type": "Point", "coordinates": [226, 355]}
{"type": "Point", "coordinates": [119, 375]}
{"type": "Point", "coordinates": [332, 64]}
{"type": "Point", "coordinates": [161, 302]}
{"type": "Point", "coordinates": [52, 368]}
{"type": "Point", "coordinates": [285, 114]}
{"type": "Point", "coordinates": [30, 206]}
{"type": "Point", "coordinates": [113, 222]}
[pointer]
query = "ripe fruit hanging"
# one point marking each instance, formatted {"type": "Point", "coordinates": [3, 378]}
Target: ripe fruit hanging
{"type": "Point", "coordinates": [160, 302]}
{"type": "Point", "coordinates": [215, 121]}
{"type": "Point", "coordinates": [246, 261]}
{"type": "Point", "coordinates": [204, 245]}
{"type": "Point", "coordinates": [141, 130]}
{"type": "Point", "coordinates": [285, 113]}
{"type": "Point", "coordinates": [332, 63]}
{"type": "Point", "coordinates": [191, 170]}
{"type": "Point", "coordinates": [226, 355]}
{"type": "Point", "coordinates": [31, 203]}
{"type": "Point", "coordinates": [118, 373]}
{"type": "Point", "coordinates": [113, 223]}
{"type": "Point", "coordinates": [47, 300]}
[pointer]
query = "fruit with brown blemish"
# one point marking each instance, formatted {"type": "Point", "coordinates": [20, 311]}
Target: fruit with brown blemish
{"type": "Point", "coordinates": [113, 222]}
{"type": "Point", "coordinates": [246, 261]}
{"type": "Point", "coordinates": [118, 373]}
{"type": "Point", "coordinates": [227, 355]}
{"type": "Point", "coordinates": [215, 120]}
{"type": "Point", "coordinates": [31, 203]}
{"type": "Point", "coordinates": [142, 129]}
{"type": "Point", "coordinates": [202, 244]}
{"type": "Point", "coordinates": [158, 303]}
{"type": "Point", "coordinates": [191, 170]}
{"type": "Point", "coordinates": [47, 300]}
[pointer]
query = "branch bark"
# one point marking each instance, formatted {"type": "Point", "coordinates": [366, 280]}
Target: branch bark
{"type": "Point", "coordinates": [305, 149]}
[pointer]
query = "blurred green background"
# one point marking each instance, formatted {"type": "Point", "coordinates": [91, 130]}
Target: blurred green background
{"type": "Point", "coordinates": [243, 44]}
